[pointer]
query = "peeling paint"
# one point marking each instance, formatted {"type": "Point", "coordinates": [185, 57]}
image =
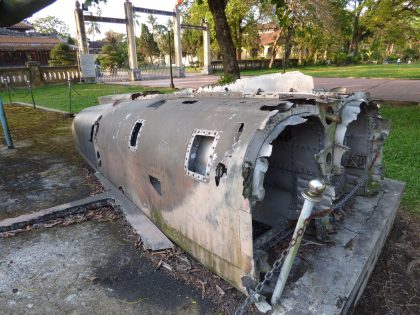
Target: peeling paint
{"type": "Point", "coordinates": [231, 167]}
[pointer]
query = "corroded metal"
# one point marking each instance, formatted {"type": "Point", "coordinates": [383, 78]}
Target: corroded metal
{"type": "Point", "coordinates": [213, 169]}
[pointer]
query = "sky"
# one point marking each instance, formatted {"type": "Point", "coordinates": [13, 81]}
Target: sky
{"type": "Point", "coordinates": [64, 10]}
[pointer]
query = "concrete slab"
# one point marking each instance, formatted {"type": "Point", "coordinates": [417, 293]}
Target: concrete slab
{"type": "Point", "coordinates": [53, 213]}
{"type": "Point", "coordinates": [333, 277]}
{"type": "Point", "coordinates": [88, 268]}
{"type": "Point", "coordinates": [151, 237]}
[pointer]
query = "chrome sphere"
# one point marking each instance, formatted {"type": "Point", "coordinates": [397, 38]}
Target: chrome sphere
{"type": "Point", "coordinates": [317, 186]}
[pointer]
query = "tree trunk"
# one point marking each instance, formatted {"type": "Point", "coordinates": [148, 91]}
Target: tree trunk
{"type": "Point", "coordinates": [354, 43]}
{"type": "Point", "coordinates": [300, 55]}
{"type": "Point", "coordinates": [274, 49]}
{"type": "Point", "coordinates": [238, 53]}
{"type": "Point", "coordinates": [224, 38]}
{"type": "Point", "coordinates": [288, 45]}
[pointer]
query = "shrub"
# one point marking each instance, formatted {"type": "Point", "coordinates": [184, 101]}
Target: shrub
{"type": "Point", "coordinates": [62, 55]}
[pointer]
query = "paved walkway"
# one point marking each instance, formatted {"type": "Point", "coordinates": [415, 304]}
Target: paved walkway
{"type": "Point", "coordinates": [383, 89]}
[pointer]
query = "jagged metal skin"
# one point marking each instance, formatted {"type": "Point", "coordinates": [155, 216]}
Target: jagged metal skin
{"type": "Point", "coordinates": [14, 11]}
{"type": "Point", "coordinates": [256, 153]}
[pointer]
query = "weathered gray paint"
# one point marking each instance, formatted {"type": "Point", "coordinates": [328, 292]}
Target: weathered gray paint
{"type": "Point", "coordinates": [213, 222]}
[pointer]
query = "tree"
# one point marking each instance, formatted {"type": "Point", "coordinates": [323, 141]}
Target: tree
{"type": "Point", "coordinates": [114, 54]}
{"type": "Point", "coordinates": [147, 44]}
{"type": "Point", "coordinates": [94, 28]}
{"type": "Point", "coordinates": [392, 23]}
{"type": "Point", "coordinates": [51, 25]}
{"type": "Point", "coordinates": [62, 55]}
{"type": "Point", "coordinates": [241, 16]}
{"type": "Point", "coordinates": [224, 38]}
{"type": "Point", "coordinates": [152, 20]}
{"type": "Point", "coordinates": [294, 16]}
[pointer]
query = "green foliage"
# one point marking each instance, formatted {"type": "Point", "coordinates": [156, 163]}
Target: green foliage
{"type": "Point", "coordinates": [146, 44]}
{"type": "Point", "coordinates": [51, 25]}
{"type": "Point", "coordinates": [94, 28]}
{"type": "Point", "coordinates": [71, 40]}
{"type": "Point", "coordinates": [241, 16]}
{"type": "Point", "coordinates": [115, 53]}
{"type": "Point", "coordinates": [226, 79]}
{"type": "Point", "coordinates": [402, 150]}
{"type": "Point", "coordinates": [62, 55]}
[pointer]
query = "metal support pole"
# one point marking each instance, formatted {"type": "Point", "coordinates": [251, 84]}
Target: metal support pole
{"type": "Point", "coordinates": [206, 45]}
{"type": "Point", "coordinates": [312, 196]}
{"type": "Point", "coordinates": [172, 86]}
{"type": "Point", "coordinates": [134, 74]}
{"type": "Point", "coordinates": [178, 42]}
{"type": "Point", "coordinates": [69, 84]}
{"type": "Point", "coordinates": [81, 30]}
{"type": "Point", "coordinates": [5, 126]}
{"type": "Point", "coordinates": [284, 58]}
{"type": "Point", "coordinates": [32, 94]}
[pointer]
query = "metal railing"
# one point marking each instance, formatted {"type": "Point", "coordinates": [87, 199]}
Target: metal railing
{"type": "Point", "coordinates": [112, 75]}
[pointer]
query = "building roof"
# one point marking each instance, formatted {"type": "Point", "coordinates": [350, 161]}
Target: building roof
{"type": "Point", "coordinates": [21, 26]}
{"type": "Point", "coordinates": [268, 38]}
{"type": "Point", "coordinates": [96, 44]}
{"type": "Point", "coordinates": [268, 26]}
{"type": "Point", "coordinates": [13, 43]}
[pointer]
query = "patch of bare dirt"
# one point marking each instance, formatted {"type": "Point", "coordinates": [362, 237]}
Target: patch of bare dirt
{"type": "Point", "coordinates": [394, 287]}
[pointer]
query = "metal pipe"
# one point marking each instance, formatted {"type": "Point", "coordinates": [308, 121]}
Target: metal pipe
{"type": "Point", "coordinates": [172, 86]}
{"type": "Point", "coordinates": [5, 126]}
{"type": "Point", "coordinates": [6, 82]}
{"type": "Point", "coordinates": [30, 91]}
{"type": "Point", "coordinates": [69, 85]}
{"type": "Point", "coordinates": [312, 196]}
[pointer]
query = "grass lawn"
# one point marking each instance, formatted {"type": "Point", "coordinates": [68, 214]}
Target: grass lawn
{"type": "Point", "coordinates": [193, 70]}
{"type": "Point", "coordinates": [402, 71]}
{"type": "Point", "coordinates": [83, 95]}
{"type": "Point", "coordinates": [402, 151]}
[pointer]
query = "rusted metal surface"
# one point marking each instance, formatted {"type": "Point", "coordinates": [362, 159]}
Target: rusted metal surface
{"type": "Point", "coordinates": [210, 169]}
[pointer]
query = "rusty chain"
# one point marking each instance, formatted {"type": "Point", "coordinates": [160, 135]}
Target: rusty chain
{"type": "Point", "coordinates": [267, 277]}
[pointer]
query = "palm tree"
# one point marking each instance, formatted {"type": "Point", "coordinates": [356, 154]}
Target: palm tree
{"type": "Point", "coordinates": [94, 28]}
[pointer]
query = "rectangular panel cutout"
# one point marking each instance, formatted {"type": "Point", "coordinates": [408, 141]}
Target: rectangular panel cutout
{"type": "Point", "coordinates": [156, 184]}
{"type": "Point", "coordinates": [199, 153]}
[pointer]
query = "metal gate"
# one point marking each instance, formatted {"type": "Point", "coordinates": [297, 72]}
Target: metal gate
{"type": "Point", "coordinates": [112, 75]}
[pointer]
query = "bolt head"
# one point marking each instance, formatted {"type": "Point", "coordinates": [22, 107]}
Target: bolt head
{"type": "Point", "coordinates": [317, 186]}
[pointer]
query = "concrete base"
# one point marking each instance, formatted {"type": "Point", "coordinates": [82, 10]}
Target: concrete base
{"type": "Point", "coordinates": [207, 70]}
{"type": "Point", "coordinates": [88, 79]}
{"type": "Point", "coordinates": [134, 75]}
{"type": "Point", "coordinates": [151, 237]}
{"type": "Point", "coordinates": [181, 72]}
{"type": "Point", "coordinates": [334, 276]}
{"type": "Point", "coordinates": [330, 280]}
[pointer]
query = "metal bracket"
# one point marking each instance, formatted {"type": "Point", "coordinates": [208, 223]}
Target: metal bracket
{"type": "Point", "coordinates": [207, 133]}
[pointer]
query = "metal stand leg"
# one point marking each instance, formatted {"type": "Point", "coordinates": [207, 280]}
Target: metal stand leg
{"type": "Point", "coordinates": [312, 196]}
{"type": "Point", "coordinates": [5, 126]}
